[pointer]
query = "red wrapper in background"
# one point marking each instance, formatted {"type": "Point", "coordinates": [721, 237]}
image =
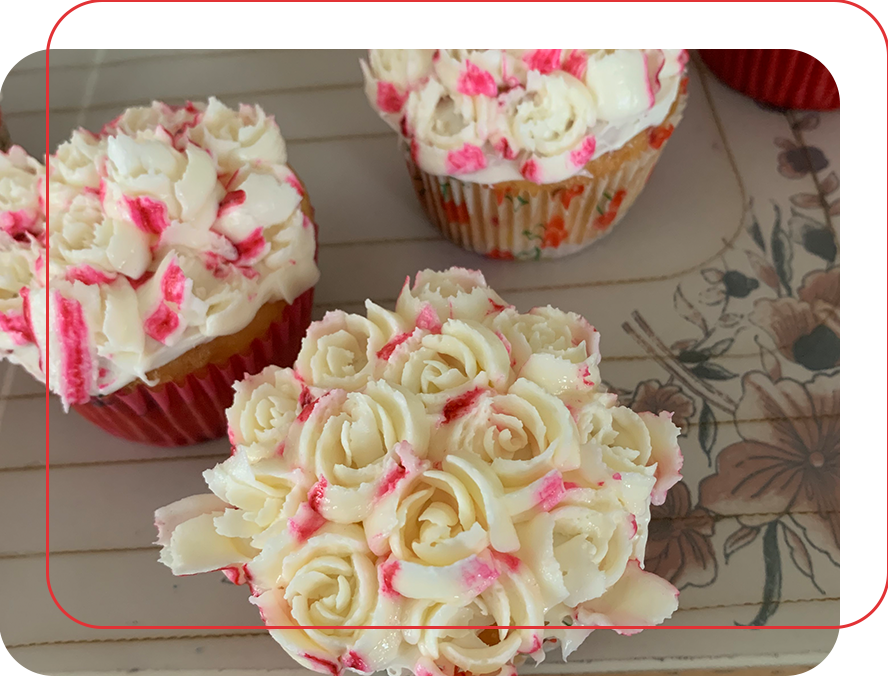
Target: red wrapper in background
{"type": "Point", "coordinates": [192, 410]}
{"type": "Point", "coordinates": [783, 78]}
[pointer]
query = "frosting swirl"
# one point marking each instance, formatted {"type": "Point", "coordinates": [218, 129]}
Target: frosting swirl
{"type": "Point", "coordinates": [541, 115]}
{"type": "Point", "coordinates": [409, 473]}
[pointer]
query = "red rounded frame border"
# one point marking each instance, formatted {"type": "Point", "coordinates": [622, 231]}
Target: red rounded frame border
{"type": "Point", "coordinates": [840, 38]}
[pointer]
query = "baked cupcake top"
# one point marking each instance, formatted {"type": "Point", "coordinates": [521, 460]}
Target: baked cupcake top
{"type": "Point", "coordinates": [21, 252]}
{"type": "Point", "coordinates": [454, 462]}
{"type": "Point", "coordinates": [170, 227]}
{"type": "Point", "coordinates": [540, 115]}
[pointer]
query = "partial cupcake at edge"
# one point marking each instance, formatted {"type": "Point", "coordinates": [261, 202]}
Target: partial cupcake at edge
{"type": "Point", "coordinates": [182, 256]}
{"type": "Point", "coordinates": [445, 489]}
{"type": "Point", "coordinates": [528, 154]}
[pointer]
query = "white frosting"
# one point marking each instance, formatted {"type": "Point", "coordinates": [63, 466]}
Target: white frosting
{"type": "Point", "coordinates": [21, 253]}
{"type": "Point", "coordinates": [170, 228]}
{"type": "Point", "coordinates": [454, 463]}
{"type": "Point", "coordinates": [487, 116]}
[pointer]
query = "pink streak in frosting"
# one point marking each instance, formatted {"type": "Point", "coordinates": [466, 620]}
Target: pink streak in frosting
{"type": "Point", "coordinates": [149, 215]}
{"type": "Point", "coordinates": [306, 398]}
{"type": "Point", "coordinates": [478, 575]}
{"type": "Point", "coordinates": [76, 363]}
{"type": "Point", "coordinates": [570, 485]}
{"type": "Point", "coordinates": [18, 223]}
{"type": "Point", "coordinates": [459, 406]}
{"type": "Point", "coordinates": [316, 494]}
{"type": "Point", "coordinates": [534, 646]}
{"type": "Point", "coordinates": [252, 247]}
{"type": "Point", "coordinates": [532, 171]}
{"type": "Point", "coordinates": [584, 152]}
{"type": "Point", "coordinates": [617, 476]}
{"type": "Point", "coordinates": [633, 525]}
{"type": "Point", "coordinates": [235, 574]}
{"type": "Point", "coordinates": [475, 81]}
{"type": "Point", "coordinates": [647, 82]}
{"type": "Point", "coordinates": [16, 327]}
{"type": "Point", "coordinates": [388, 98]}
{"type": "Point", "coordinates": [161, 323]}
{"type": "Point", "coordinates": [586, 375]}
{"type": "Point", "coordinates": [172, 284]}
{"type": "Point", "coordinates": [323, 665]}
{"type": "Point", "coordinates": [294, 182]}
{"type": "Point", "coordinates": [353, 660]}
{"type": "Point", "coordinates": [428, 319]}
{"type": "Point", "coordinates": [387, 572]}
{"type": "Point", "coordinates": [385, 352]}
{"type": "Point", "coordinates": [575, 63]}
{"type": "Point", "coordinates": [504, 150]}
{"type": "Point", "coordinates": [509, 561]}
{"type": "Point", "coordinates": [391, 480]}
{"type": "Point", "coordinates": [230, 201]}
{"type": "Point", "coordinates": [656, 83]}
{"type": "Point", "coordinates": [88, 275]}
{"type": "Point", "coordinates": [305, 523]}
{"type": "Point", "coordinates": [543, 60]}
{"type": "Point", "coordinates": [551, 492]}
{"type": "Point", "coordinates": [466, 160]}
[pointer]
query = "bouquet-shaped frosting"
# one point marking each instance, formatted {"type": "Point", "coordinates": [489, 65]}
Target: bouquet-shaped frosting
{"type": "Point", "coordinates": [491, 115]}
{"type": "Point", "coordinates": [453, 463]}
{"type": "Point", "coordinates": [169, 228]}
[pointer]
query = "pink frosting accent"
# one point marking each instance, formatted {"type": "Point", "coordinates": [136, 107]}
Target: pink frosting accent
{"type": "Point", "coordinates": [385, 352]}
{"type": "Point", "coordinates": [387, 572]}
{"type": "Point", "coordinates": [504, 150]}
{"type": "Point", "coordinates": [478, 575]}
{"type": "Point", "coordinates": [475, 81]}
{"type": "Point", "coordinates": [231, 200]}
{"type": "Point", "coordinates": [586, 375]}
{"type": "Point", "coordinates": [353, 660]}
{"type": "Point", "coordinates": [391, 480]}
{"type": "Point", "coordinates": [149, 215]}
{"type": "Point", "coordinates": [683, 58]}
{"type": "Point", "coordinates": [570, 485]}
{"type": "Point", "coordinates": [551, 492]}
{"type": "Point", "coordinates": [316, 494]}
{"type": "Point", "coordinates": [172, 284]}
{"type": "Point", "coordinates": [647, 82]}
{"type": "Point", "coordinates": [235, 574]}
{"type": "Point", "coordinates": [18, 223]}
{"type": "Point", "coordinates": [252, 247]}
{"type": "Point", "coordinates": [161, 323]}
{"type": "Point", "coordinates": [293, 181]}
{"type": "Point", "coordinates": [388, 98]}
{"type": "Point", "coordinates": [536, 645]}
{"type": "Point", "coordinates": [428, 319]}
{"type": "Point", "coordinates": [617, 476]}
{"type": "Point", "coordinates": [306, 222]}
{"type": "Point", "coordinates": [575, 63]}
{"type": "Point", "coordinates": [16, 327]}
{"type": "Point", "coordinates": [306, 398]}
{"type": "Point", "coordinates": [543, 60]}
{"type": "Point", "coordinates": [633, 525]}
{"type": "Point", "coordinates": [305, 523]}
{"type": "Point", "coordinates": [76, 362]}
{"type": "Point", "coordinates": [88, 275]}
{"type": "Point", "coordinates": [459, 406]}
{"type": "Point", "coordinates": [467, 159]}
{"type": "Point", "coordinates": [323, 665]}
{"type": "Point", "coordinates": [509, 561]}
{"type": "Point", "coordinates": [532, 171]}
{"type": "Point", "coordinates": [584, 152]}
{"type": "Point", "coordinates": [656, 83]}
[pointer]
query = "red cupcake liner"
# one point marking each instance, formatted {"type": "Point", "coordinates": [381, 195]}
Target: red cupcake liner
{"type": "Point", "coordinates": [192, 411]}
{"type": "Point", "coordinates": [783, 78]}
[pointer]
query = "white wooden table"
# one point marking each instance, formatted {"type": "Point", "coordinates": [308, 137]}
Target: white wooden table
{"type": "Point", "coordinates": [693, 217]}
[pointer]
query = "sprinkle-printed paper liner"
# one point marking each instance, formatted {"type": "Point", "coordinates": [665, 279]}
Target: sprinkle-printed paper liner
{"type": "Point", "coordinates": [779, 77]}
{"type": "Point", "coordinates": [504, 222]}
{"type": "Point", "coordinates": [193, 410]}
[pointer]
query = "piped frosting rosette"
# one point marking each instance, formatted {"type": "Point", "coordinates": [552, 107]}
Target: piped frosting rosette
{"type": "Point", "coordinates": [454, 463]}
{"type": "Point", "coordinates": [171, 227]}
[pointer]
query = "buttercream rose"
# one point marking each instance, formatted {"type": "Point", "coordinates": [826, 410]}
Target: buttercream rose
{"type": "Point", "coordinates": [523, 434]}
{"type": "Point", "coordinates": [343, 350]}
{"type": "Point", "coordinates": [446, 121]}
{"type": "Point", "coordinates": [454, 293]}
{"type": "Point", "coordinates": [329, 581]}
{"type": "Point", "coordinates": [441, 367]}
{"type": "Point", "coordinates": [357, 444]}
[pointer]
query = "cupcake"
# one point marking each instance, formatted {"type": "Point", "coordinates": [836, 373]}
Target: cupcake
{"type": "Point", "coordinates": [454, 463]}
{"type": "Point", "coordinates": [181, 257]}
{"type": "Point", "coordinates": [4, 134]}
{"type": "Point", "coordinates": [21, 254]}
{"type": "Point", "coordinates": [783, 78]}
{"type": "Point", "coordinates": [528, 154]}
